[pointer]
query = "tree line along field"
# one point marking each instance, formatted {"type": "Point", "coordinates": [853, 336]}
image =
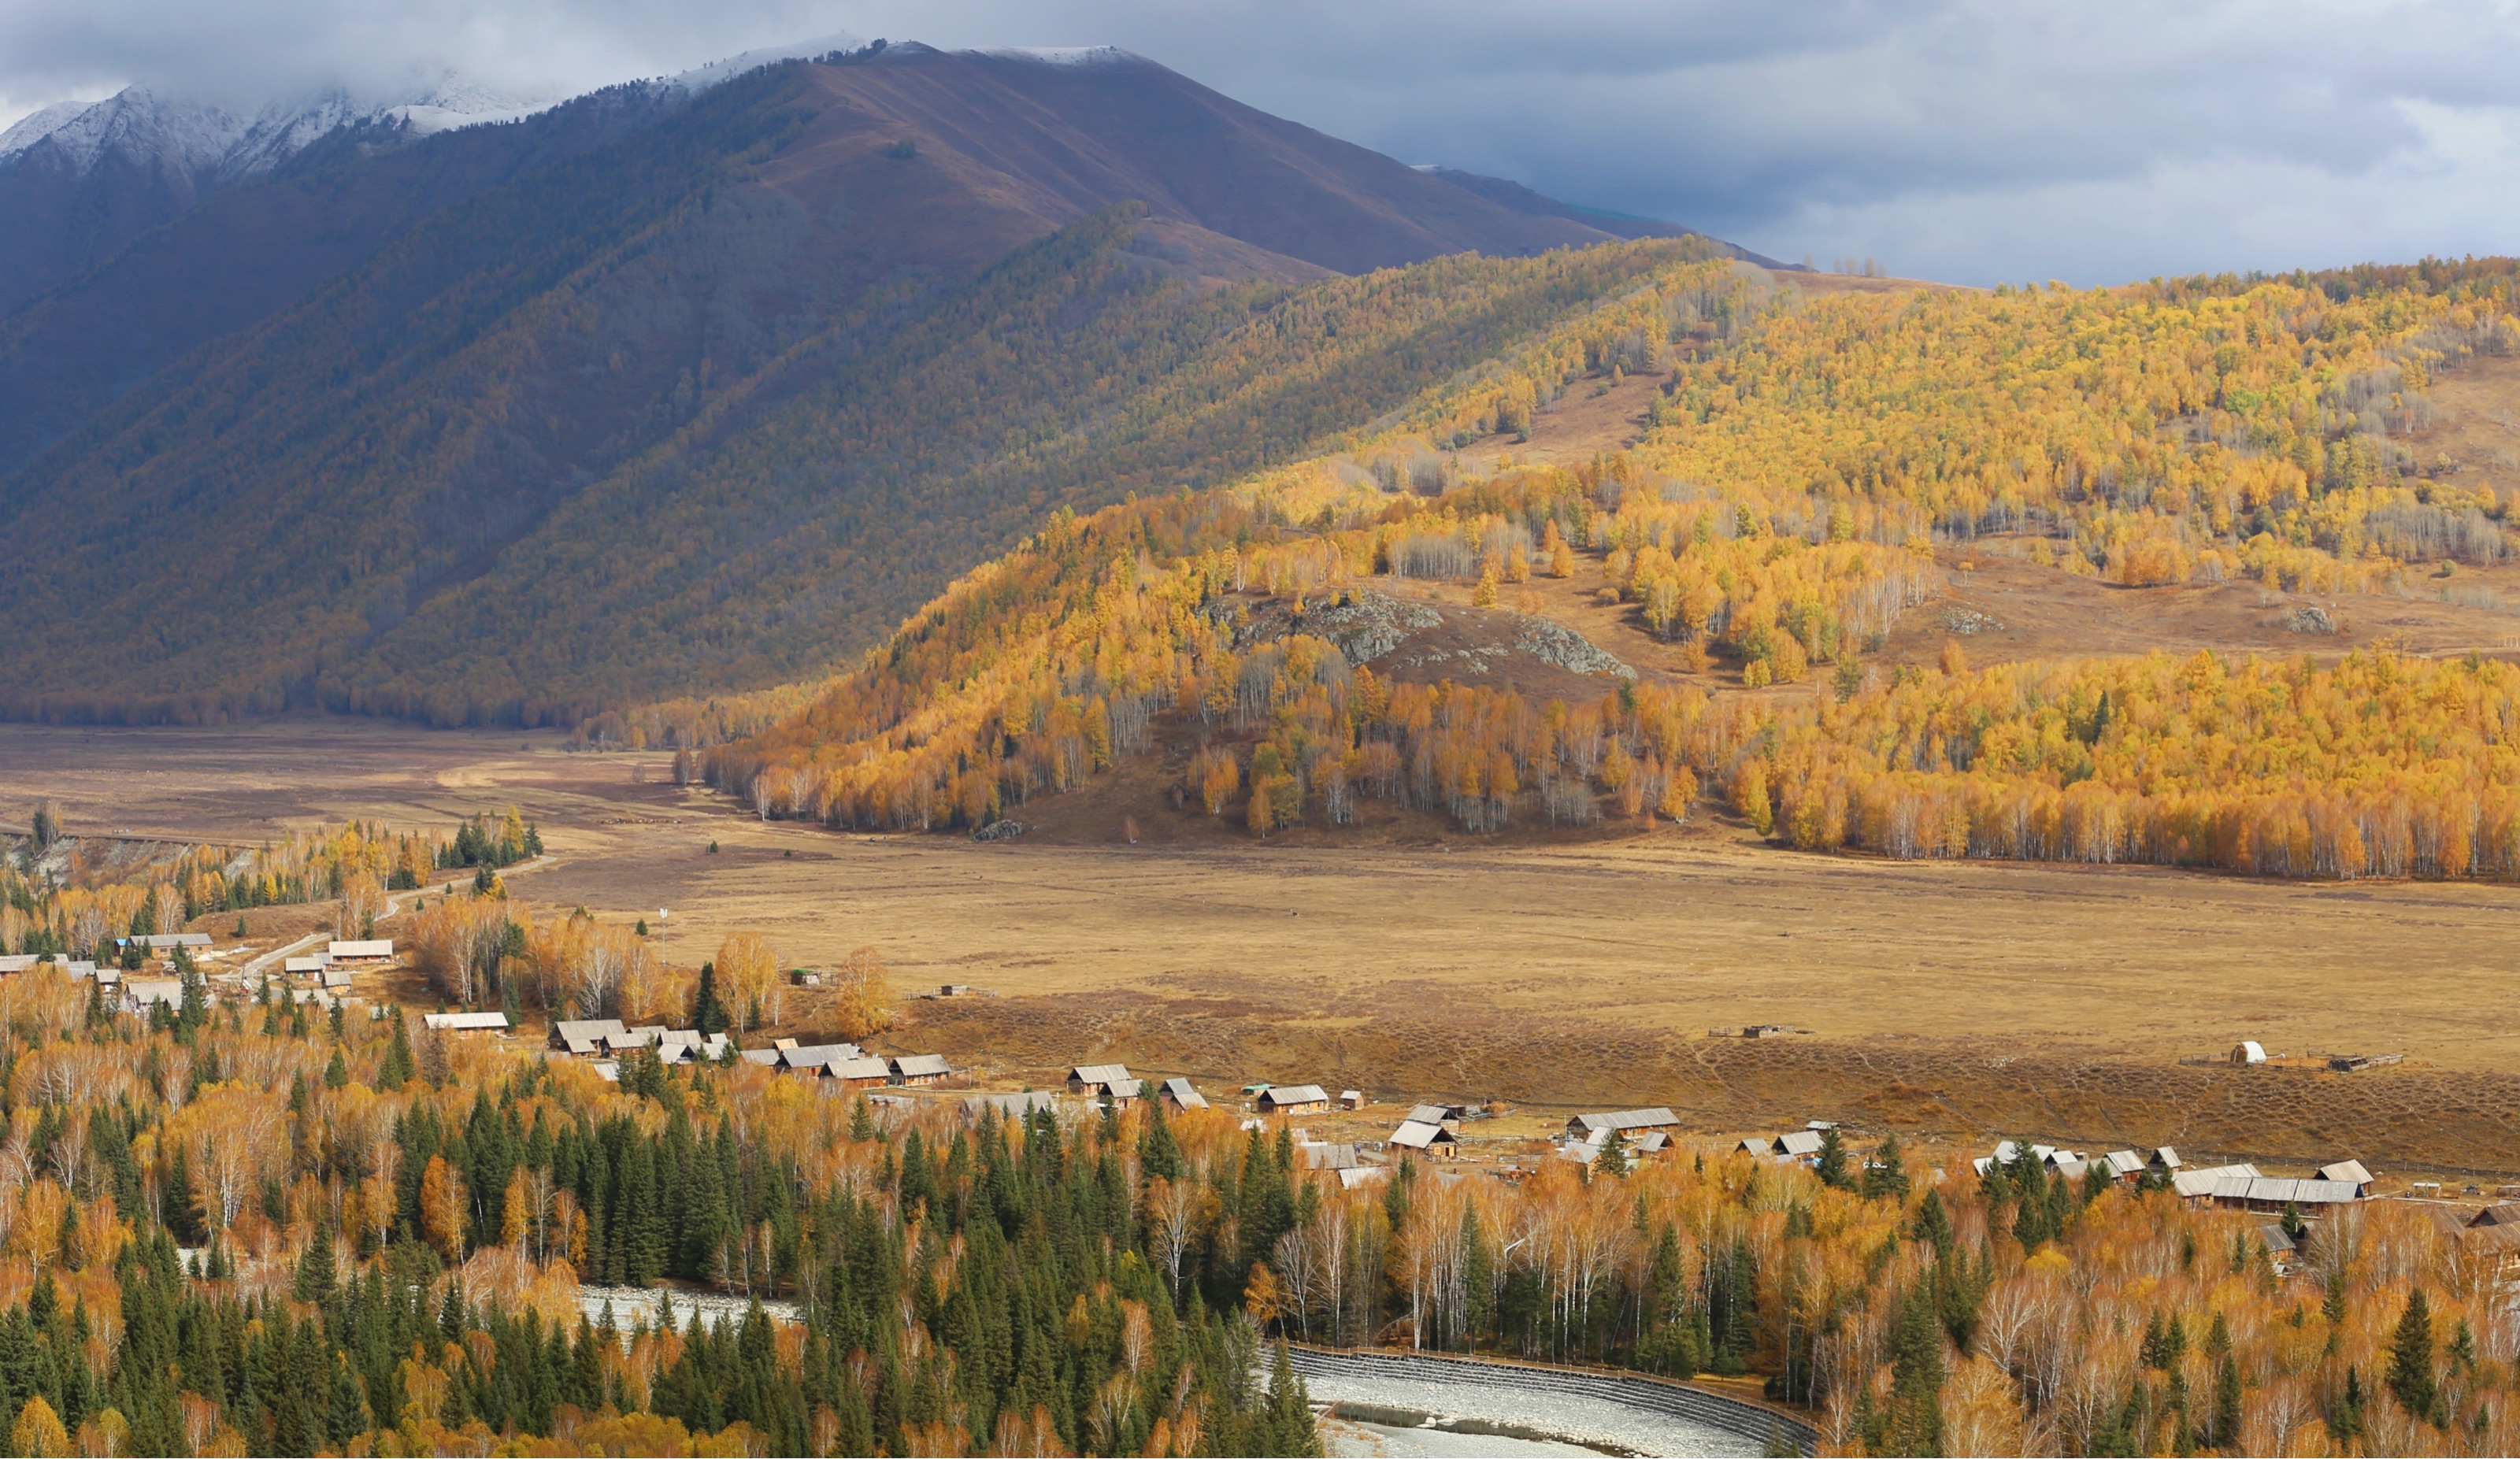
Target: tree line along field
{"type": "Point", "coordinates": [1378, 965]}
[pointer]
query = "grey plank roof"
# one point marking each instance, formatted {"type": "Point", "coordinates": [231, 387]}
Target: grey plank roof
{"type": "Point", "coordinates": [1419, 1134]}
{"type": "Point", "coordinates": [919, 1066]}
{"type": "Point", "coordinates": [1645, 1119]}
{"type": "Point", "coordinates": [818, 1056]}
{"type": "Point", "coordinates": [2201, 1182]}
{"type": "Point", "coordinates": [1283, 1094]}
{"type": "Point", "coordinates": [2281, 1189]}
{"type": "Point", "coordinates": [1183, 1094]}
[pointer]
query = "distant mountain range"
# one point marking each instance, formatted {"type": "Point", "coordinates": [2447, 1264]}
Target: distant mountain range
{"type": "Point", "coordinates": [319, 404]}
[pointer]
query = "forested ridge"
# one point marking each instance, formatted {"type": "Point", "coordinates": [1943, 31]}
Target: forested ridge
{"type": "Point", "coordinates": [1071, 374]}
{"type": "Point", "coordinates": [696, 394]}
{"type": "Point", "coordinates": [2264, 451]}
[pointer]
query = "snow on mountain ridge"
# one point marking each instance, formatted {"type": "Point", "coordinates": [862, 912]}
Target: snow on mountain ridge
{"type": "Point", "coordinates": [35, 126]}
{"type": "Point", "coordinates": [190, 137]}
{"type": "Point", "coordinates": [208, 143]}
{"type": "Point", "coordinates": [717, 72]}
{"type": "Point", "coordinates": [1066, 55]}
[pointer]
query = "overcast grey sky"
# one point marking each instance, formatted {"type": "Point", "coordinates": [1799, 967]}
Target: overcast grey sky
{"type": "Point", "coordinates": [1968, 142]}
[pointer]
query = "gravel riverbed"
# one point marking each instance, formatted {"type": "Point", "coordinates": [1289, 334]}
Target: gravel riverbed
{"type": "Point", "coordinates": [1602, 1412]}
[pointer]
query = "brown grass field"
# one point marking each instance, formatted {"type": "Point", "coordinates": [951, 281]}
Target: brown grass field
{"type": "Point", "coordinates": [1957, 999]}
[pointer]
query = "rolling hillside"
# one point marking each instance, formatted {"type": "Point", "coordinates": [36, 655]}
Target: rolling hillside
{"type": "Point", "coordinates": [1317, 653]}
{"type": "Point", "coordinates": [657, 393]}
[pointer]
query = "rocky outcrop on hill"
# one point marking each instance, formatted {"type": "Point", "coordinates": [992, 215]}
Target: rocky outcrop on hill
{"type": "Point", "coordinates": [1555, 643]}
{"type": "Point", "coordinates": [1375, 628]}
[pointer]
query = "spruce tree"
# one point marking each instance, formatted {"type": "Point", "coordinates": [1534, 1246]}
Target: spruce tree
{"type": "Point", "coordinates": [184, 1215]}
{"type": "Point", "coordinates": [708, 1012]}
{"type": "Point", "coordinates": [1934, 1223]}
{"type": "Point", "coordinates": [2226, 1402]}
{"type": "Point", "coordinates": [1159, 1154]}
{"type": "Point", "coordinates": [2346, 1422]}
{"type": "Point", "coordinates": [1916, 1374]}
{"type": "Point", "coordinates": [1885, 1174]}
{"type": "Point", "coordinates": [398, 1068]}
{"type": "Point", "coordinates": [2410, 1358]}
{"type": "Point", "coordinates": [317, 1274]}
{"type": "Point", "coordinates": [1289, 1420]}
{"type": "Point", "coordinates": [1832, 1165]}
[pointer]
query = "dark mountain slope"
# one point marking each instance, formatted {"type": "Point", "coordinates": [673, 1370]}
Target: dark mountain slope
{"type": "Point", "coordinates": [1054, 140]}
{"type": "Point", "coordinates": [57, 221]}
{"type": "Point", "coordinates": [1074, 374]}
{"type": "Point", "coordinates": [740, 298]}
{"type": "Point", "coordinates": [257, 246]}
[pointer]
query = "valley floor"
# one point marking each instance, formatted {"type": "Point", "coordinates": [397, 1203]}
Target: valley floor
{"type": "Point", "coordinates": [1957, 998]}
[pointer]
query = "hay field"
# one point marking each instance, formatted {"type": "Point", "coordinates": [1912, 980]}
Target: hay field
{"type": "Point", "coordinates": [1951, 999]}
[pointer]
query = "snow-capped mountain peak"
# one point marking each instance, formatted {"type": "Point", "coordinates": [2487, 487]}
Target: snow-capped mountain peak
{"type": "Point", "coordinates": [209, 144]}
{"type": "Point", "coordinates": [30, 129]}
{"type": "Point", "coordinates": [189, 137]}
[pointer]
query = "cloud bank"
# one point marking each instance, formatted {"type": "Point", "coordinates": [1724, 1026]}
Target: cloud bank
{"type": "Point", "coordinates": [1968, 142]}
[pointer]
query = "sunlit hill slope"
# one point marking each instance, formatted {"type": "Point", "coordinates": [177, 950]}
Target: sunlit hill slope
{"type": "Point", "coordinates": [1807, 471]}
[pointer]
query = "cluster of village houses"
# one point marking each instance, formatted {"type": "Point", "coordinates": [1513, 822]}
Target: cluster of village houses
{"type": "Point", "coordinates": [1430, 1132]}
{"type": "Point", "coordinates": [329, 971]}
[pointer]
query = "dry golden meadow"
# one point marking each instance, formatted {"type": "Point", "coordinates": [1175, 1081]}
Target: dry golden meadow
{"type": "Point", "coordinates": [1945, 998]}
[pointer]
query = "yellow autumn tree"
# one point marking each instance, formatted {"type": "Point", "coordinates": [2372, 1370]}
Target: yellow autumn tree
{"type": "Point", "coordinates": [38, 1432]}
{"type": "Point", "coordinates": [441, 1208]}
{"type": "Point", "coordinates": [860, 995]}
{"type": "Point", "coordinates": [748, 978]}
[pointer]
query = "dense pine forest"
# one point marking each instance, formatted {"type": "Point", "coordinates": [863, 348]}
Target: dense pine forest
{"type": "Point", "coordinates": [238, 1230]}
{"type": "Point", "coordinates": [255, 1229]}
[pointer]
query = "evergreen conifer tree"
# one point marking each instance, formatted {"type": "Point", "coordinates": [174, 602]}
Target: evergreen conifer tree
{"type": "Point", "coordinates": [184, 1215]}
{"type": "Point", "coordinates": [2410, 1358]}
{"type": "Point", "coordinates": [1886, 1173]}
{"type": "Point", "coordinates": [1916, 1374]}
{"type": "Point", "coordinates": [708, 1011]}
{"type": "Point", "coordinates": [1830, 1168]}
{"type": "Point", "coordinates": [398, 1067]}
